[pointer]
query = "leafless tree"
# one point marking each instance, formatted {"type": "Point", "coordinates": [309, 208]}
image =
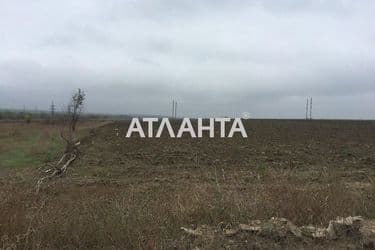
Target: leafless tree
{"type": "Point", "coordinates": [76, 106]}
{"type": "Point", "coordinates": [72, 115]}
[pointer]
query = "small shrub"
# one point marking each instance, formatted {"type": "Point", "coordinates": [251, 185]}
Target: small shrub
{"type": "Point", "coordinates": [28, 118]}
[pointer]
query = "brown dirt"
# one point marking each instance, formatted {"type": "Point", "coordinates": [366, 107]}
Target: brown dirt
{"type": "Point", "coordinates": [137, 192]}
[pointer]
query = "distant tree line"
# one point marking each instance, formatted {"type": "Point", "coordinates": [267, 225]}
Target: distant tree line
{"type": "Point", "coordinates": [34, 115]}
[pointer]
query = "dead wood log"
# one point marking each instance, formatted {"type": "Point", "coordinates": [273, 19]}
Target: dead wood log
{"type": "Point", "coordinates": [59, 170]}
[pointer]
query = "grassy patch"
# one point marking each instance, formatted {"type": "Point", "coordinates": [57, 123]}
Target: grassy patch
{"type": "Point", "coordinates": [29, 147]}
{"type": "Point", "coordinates": [17, 158]}
{"type": "Point", "coordinates": [32, 145]}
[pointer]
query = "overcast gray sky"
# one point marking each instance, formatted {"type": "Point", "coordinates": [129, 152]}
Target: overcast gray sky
{"type": "Point", "coordinates": [214, 57]}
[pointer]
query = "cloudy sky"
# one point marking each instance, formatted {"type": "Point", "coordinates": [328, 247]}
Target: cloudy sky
{"type": "Point", "coordinates": [214, 57]}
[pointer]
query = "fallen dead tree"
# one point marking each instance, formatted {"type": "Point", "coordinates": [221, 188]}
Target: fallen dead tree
{"type": "Point", "coordinates": [68, 135]}
{"type": "Point", "coordinates": [62, 165]}
{"type": "Point", "coordinates": [60, 168]}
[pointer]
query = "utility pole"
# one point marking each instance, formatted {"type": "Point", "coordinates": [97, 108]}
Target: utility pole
{"type": "Point", "coordinates": [311, 106]}
{"type": "Point", "coordinates": [307, 108]}
{"type": "Point", "coordinates": [175, 110]}
{"type": "Point", "coordinates": [53, 108]}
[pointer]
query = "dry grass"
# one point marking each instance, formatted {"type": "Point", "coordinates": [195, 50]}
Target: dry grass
{"type": "Point", "coordinates": [109, 216]}
{"type": "Point", "coordinates": [114, 197]}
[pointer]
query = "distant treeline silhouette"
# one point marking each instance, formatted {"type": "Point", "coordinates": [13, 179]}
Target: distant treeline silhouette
{"type": "Point", "coordinates": [34, 115]}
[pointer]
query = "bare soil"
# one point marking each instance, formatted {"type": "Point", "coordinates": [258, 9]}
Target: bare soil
{"type": "Point", "coordinates": [137, 193]}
